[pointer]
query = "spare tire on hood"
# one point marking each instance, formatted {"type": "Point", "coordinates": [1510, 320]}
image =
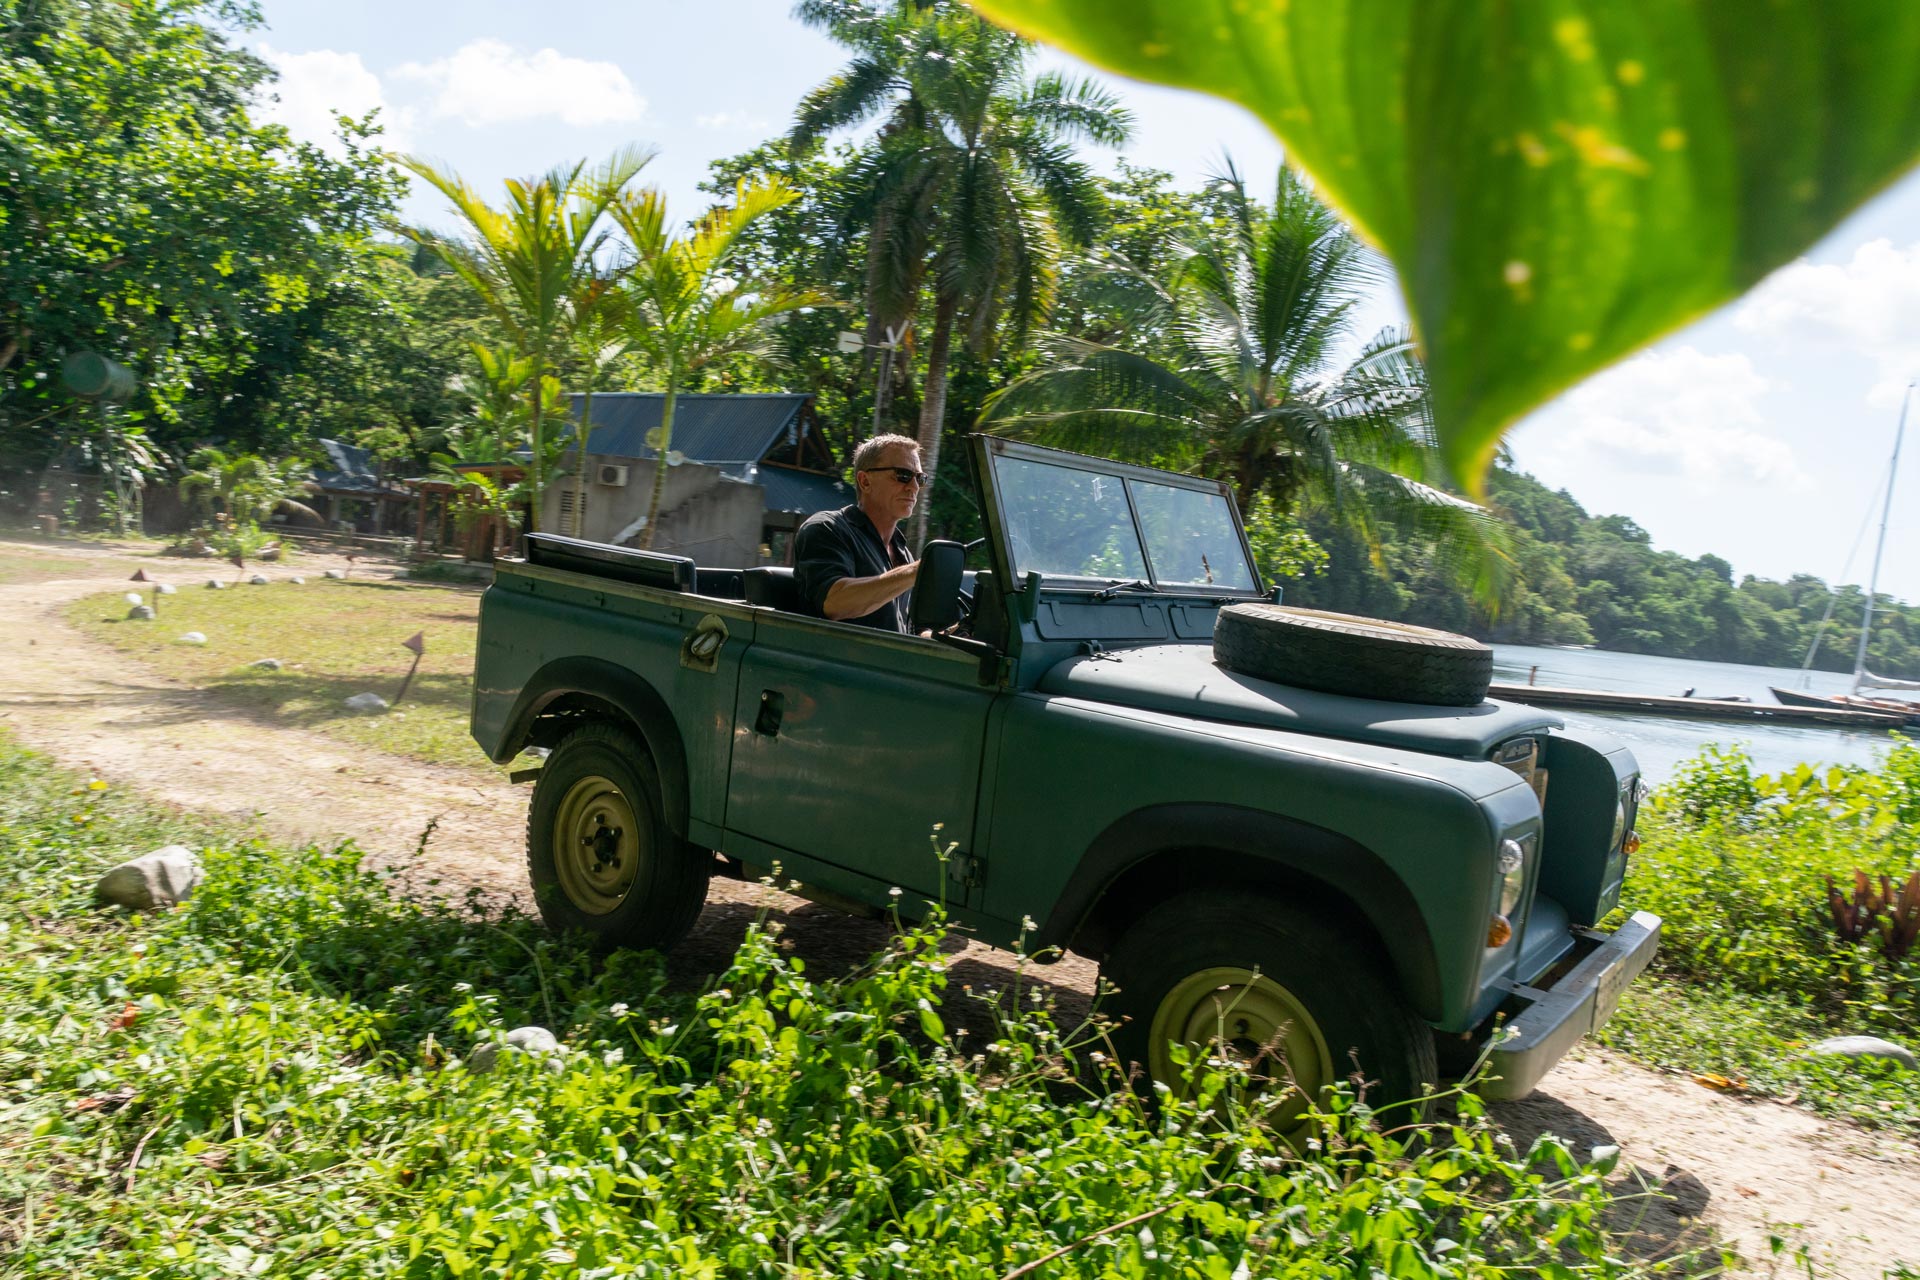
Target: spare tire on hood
{"type": "Point", "coordinates": [1359, 657]}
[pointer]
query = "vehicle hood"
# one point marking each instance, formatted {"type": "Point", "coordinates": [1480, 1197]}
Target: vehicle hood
{"type": "Point", "coordinates": [1184, 679]}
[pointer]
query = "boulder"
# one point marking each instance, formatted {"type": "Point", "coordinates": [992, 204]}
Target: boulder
{"type": "Point", "coordinates": [367, 704]}
{"type": "Point", "coordinates": [214, 584]}
{"type": "Point", "coordinates": [537, 1041]}
{"type": "Point", "coordinates": [335, 573]}
{"type": "Point", "coordinates": [165, 589]}
{"type": "Point", "coordinates": [1866, 1047]}
{"type": "Point", "coordinates": [158, 879]}
{"type": "Point", "coordinates": [266, 664]}
{"type": "Point", "coordinates": [140, 613]}
{"type": "Point", "coordinates": [193, 637]}
{"type": "Point", "coordinates": [258, 580]}
{"type": "Point", "coordinates": [297, 581]}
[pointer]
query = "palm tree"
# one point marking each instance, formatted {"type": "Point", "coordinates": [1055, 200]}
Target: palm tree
{"type": "Point", "coordinates": [971, 183]}
{"type": "Point", "coordinates": [682, 308]}
{"type": "Point", "coordinates": [534, 262]}
{"type": "Point", "coordinates": [1231, 370]}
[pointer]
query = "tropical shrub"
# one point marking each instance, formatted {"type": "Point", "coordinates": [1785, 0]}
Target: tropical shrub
{"type": "Point", "coordinates": [1738, 866]}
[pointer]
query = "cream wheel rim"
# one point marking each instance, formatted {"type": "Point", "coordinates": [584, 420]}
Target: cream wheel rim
{"type": "Point", "coordinates": [1243, 1015]}
{"type": "Point", "coordinates": [596, 845]}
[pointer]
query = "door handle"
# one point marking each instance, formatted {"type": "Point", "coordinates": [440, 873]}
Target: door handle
{"type": "Point", "coordinates": [772, 704]}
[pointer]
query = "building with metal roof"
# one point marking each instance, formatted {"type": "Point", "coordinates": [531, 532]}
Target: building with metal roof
{"type": "Point", "coordinates": [742, 472]}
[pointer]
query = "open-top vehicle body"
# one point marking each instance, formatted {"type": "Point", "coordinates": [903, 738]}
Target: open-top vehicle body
{"type": "Point", "coordinates": [1254, 854]}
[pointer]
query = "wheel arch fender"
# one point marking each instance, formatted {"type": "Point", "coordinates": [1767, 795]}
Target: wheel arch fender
{"type": "Point", "coordinates": [1151, 853]}
{"type": "Point", "coordinates": [584, 687]}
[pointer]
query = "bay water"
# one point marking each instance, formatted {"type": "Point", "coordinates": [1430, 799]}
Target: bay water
{"type": "Point", "coordinates": [1660, 743]}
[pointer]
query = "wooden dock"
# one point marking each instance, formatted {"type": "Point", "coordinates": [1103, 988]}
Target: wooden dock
{"type": "Point", "coordinates": [1690, 708]}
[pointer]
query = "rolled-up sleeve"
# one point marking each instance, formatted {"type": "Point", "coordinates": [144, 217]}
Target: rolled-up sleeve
{"type": "Point", "coordinates": [822, 555]}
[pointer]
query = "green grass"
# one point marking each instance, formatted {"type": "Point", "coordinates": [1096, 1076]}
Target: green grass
{"type": "Point", "coordinates": [1756, 1045]}
{"type": "Point", "coordinates": [335, 638]}
{"type": "Point", "coordinates": [269, 1080]}
{"type": "Point", "coordinates": [1752, 969]}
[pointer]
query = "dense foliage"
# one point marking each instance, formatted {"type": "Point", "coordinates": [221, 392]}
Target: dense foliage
{"type": "Point", "coordinates": [145, 216]}
{"type": "Point", "coordinates": [273, 1079]}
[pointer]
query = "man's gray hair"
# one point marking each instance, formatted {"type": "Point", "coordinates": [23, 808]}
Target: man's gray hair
{"type": "Point", "coordinates": [870, 450]}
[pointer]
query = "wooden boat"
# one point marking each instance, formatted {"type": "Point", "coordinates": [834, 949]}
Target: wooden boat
{"type": "Point", "coordinates": [1908, 712]}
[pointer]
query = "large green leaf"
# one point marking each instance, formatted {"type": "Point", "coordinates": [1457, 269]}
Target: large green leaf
{"type": "Point", "coordinates": [1558, 181]}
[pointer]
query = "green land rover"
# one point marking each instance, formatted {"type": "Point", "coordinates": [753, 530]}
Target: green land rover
{"type": "Point", "coordinates": [1308, 839]}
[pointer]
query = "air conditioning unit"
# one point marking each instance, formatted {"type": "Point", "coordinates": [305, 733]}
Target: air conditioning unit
{"type": "Point", "coordinates": [611, 474]}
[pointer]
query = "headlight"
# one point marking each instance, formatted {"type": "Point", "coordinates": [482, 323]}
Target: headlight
{"type": "Point", "coordinates": [1513, 874]}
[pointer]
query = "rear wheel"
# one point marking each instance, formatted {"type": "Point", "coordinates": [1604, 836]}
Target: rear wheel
{"type": "Point", "coordinates": [1300, 1000]}
{"type": "Point", "coordinates": [599, 851]}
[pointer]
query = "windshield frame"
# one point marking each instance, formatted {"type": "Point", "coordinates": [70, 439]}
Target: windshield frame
{"type": "Point", "coordinates": [989, 450]}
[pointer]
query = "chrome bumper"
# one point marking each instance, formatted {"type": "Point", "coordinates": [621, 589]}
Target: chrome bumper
{"type": "Point", "coordinates": [1531, 1043]}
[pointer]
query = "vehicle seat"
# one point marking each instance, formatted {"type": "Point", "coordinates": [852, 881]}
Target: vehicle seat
{"type": "Point", "coordinates": [773, 588]}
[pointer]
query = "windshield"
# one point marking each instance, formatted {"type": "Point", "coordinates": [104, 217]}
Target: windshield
{"type": "Point", "coordinates": [1065, 522]}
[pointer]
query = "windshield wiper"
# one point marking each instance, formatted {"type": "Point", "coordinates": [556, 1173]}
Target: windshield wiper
{"type": "Point", "coordinates": [1113, 589]}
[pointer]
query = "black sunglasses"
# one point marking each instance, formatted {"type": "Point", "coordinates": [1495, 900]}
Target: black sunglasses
{"type": "Point", "coordinates": [905, 475]}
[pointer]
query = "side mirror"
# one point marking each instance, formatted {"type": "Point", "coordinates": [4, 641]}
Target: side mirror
{"type": "Point", "coordinates": [936, 587]}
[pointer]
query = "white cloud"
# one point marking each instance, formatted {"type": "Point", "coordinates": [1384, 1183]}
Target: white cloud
{"type": "Point", "coordinates": [486, 82]}
{"type": "Point", "coordinates": [1676, 413]}
{"type": "Point", "coordinates": [316, 84]}
{"type": "Point", "coordinates": [734, 120]}
{"type": "Point", "coordinates": [1870, 304]}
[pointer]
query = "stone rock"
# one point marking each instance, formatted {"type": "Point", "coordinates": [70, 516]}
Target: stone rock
{"type": "Point", "coordinates": [298, 581]}
{"type": "Point", "coordinates": [367, 704]}
{"type": "Point", "coordinates": [257, 580]}
{"type": "Point", "coordinates": [158, 879]}
{"type": "Point", "coordinates": [133, 597]}
{"type": "Point", "coordinates": [335, 573]}
{"type": "Point", "coordinates": [1866, 1047]}
{"type": "Point", "coordinates": [164, 589]}
{"type": "Point", "coordinates": [140, 613]}
{"type": "Point", "coordinates": [214, 584]}
{"type": "Point", "coordinates": [193, 637]}
{"type": "Point", "coordinates": [266, 664]}
{"type": "Point", "coordinates": [537, 1041]}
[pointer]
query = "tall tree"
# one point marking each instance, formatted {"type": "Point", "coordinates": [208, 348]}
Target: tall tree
{"type": "Point", "coordinates": [1230, 367]}
{"type": "Point", "coordinates": [683, 304]}
{"type": "Point", "coordinates": [535, 261]}
{"type": "Point", "coordinates": [145, 216]}
{"type": "Point", "coordinates": [971, 183]}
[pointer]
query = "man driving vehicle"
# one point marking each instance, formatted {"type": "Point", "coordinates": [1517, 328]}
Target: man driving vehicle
{"type": "Point", "coordinates": [853, 565]}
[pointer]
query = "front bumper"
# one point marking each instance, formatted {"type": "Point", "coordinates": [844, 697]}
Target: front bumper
{"type": "Point", "coordinates": [1583, 998]}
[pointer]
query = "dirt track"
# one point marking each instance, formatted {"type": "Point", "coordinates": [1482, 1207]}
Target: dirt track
{"type": "Point", "coordinates": [1742, 1167]}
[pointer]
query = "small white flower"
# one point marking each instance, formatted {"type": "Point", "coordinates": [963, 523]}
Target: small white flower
{"type": "Point", "coordinates": [898, 1246]}
{"type": "Point", "coordinates": [893, 893]}
{"type": "Point", "coordinates": [618, 1010]}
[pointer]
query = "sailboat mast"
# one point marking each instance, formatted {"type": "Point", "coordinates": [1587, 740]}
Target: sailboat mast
{"type": "Point", "coordinates": [1886, 509]}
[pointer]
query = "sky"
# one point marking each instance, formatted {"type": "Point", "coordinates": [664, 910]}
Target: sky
{"type": "Point", "coordinates": [1760, 434]}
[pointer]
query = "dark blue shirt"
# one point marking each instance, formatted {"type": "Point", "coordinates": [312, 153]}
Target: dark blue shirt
{"type": "Point", "coordinates": [833, 545]}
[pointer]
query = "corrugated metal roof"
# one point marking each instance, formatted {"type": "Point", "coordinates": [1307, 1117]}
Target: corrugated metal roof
{"type": "Point", "coordinates": [717, 429]}
{"type": "Point", "coordinates": [349, 468]}
{"type": "Point", "coordinates": [804, 492]}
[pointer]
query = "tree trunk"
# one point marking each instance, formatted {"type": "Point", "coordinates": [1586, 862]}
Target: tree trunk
{"type": "Point", "coordinates": [533, 463]}
{"type": "Point", "coordinates": [933, 410]}
{"type": "Point", "coordinates": [660, 464]}
{"type": "Point", "coordinates": [580, 459]}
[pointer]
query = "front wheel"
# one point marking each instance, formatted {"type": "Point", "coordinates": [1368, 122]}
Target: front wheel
{"type": "Point", "coordinates": [599, 851]}
{"type": "Point", "coordinates": [1302, 1001]}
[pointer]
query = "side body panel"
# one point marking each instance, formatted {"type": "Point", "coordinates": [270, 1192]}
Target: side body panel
{"type": "Point", "coordinates": [546, 634]}
{"type": "Point", "coordinates": [1372, 816]}
{"type": "Point", "coordinates": [851, 744]}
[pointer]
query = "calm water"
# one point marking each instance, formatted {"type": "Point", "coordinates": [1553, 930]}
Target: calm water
{"type": "Point", "coordinates": [1660, 743]}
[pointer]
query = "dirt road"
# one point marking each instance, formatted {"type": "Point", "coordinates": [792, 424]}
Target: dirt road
{"type": "Point", "coordinates": [1743, 1168]}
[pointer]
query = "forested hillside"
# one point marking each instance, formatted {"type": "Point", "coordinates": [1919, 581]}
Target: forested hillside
{"type": "Point", "coordinates": [1599, 580]}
